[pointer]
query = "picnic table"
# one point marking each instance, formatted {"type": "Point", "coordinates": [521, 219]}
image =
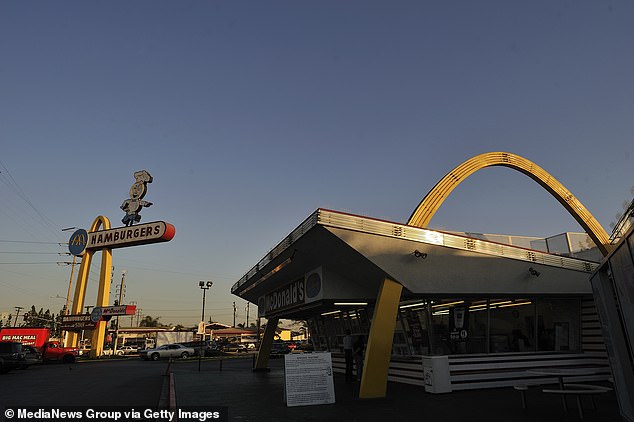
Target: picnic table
{"type": "Point", "coordinates": [576, 390]}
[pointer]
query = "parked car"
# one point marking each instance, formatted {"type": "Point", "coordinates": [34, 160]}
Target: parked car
{"type": "Point", "coordinates": [126, 350]}
{"type": "Point", "coordinates": [304, 347]}
{"type": "Point", "coordinates": [235, 347]}
{"type": "Point", "coordinates": [279, 348]}
{"type": "Point", "coordinates": [32, 356]}
{"type": "Point", "coordinates": [208, 347]}
{"type": "Point", "coordinates": [11, 356]}
{"type": "Point", "coordinates": [107, 350]}
{"type": "Point", "coordinates": [167, 351]}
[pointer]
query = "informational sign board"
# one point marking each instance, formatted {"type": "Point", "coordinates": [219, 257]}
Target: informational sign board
{"type": "Point", "coordinates": [99, 313]}
{"type": "Point", "coordinates": [78, 322]}
{"type": "Point", "coordinates": [308, 379]}
{"type": "Point", "coordinates": [118, 310]}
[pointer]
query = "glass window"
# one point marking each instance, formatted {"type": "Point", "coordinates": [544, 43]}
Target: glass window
{"type": "Point", "coordinates": [539, 245]}
{"type": "Point", "coordinates": [329, 330]}
{"type": "Point", "coordinates": [558, 325]}
{"type": "Point", "coordinates": [558, 244]}
{"type": "Point", "coordinates": [465, 326]}
{"type": "Point", "coordinates": [449, 326]}
{"type": "Point", "coordinates": [477, 328]}
{"type": "Point", "coordinates": [580, 242]}
{"type": "Point", "coordinates": [512, 323]}
{"type": "Point", "coordinates": [400, 345]}
{"type": "Point", "coordinates": [623, 276]}
{"type": "Point", "coordinates": [415, 324]}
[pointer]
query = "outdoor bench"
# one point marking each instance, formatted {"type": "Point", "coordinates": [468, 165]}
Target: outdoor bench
{"type": "Point", "coordinates": [579, 390]}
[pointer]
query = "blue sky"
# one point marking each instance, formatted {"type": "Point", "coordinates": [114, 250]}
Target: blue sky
{"type": "Point", "coordinates": [250, 115]}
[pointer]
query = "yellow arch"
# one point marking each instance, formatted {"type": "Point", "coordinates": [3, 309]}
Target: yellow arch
{"type": "Point", "coordinates": [102, 295]}
{"type": "Point", "coordinates": [434, 199]}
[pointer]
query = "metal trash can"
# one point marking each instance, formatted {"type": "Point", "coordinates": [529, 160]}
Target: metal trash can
{"type": "Point", "coordinates": [436, 374]}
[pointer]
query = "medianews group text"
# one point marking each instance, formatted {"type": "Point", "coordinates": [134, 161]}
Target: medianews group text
{"type": "Point", "coordinates": [214, 414]}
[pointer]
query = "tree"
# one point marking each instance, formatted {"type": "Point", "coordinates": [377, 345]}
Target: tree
{"type": "Point", "coordinates": [623, 219]}
{"type": "Point", "coordinates": [149, 321]}
{"type": "Point", "coordinates": [41, 319]}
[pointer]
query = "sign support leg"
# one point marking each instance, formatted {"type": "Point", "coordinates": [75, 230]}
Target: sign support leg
{"type": "Point", "coordinates": [262, 361]}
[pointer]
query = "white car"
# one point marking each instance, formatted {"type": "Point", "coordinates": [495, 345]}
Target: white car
{"type": "Point", "coordinates": [167, 351]}
{"type": "Point", "coordinates": [126, 350]}
{"type": "Point", "coordinates": [107, 351]}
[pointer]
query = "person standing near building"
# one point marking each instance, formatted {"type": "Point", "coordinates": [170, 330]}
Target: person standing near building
{"type": "Point", "coordinates": [347, 350]}
{"type": "Point", "coordinates": [357, 353]}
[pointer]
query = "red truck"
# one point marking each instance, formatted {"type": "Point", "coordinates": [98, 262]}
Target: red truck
{"type": "Point", "coordinates": [38, 338]}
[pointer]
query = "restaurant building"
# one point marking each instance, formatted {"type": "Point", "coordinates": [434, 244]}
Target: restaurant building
{"type": "Point", "coordinates": [477, 312]}
{"type": "Point", "coordinates": [449, 311]}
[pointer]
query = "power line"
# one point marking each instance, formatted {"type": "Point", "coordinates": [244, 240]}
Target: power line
{"type": "Point", "coordinates": [35, 253]}
{"type": "Point", "coordinates": [162, 270]}
{"type": "Point", "coordinates": [8, 180]}
{"type": "Point", "coordinates": [34, 242]}
{"type": "Point", "coordinates": [27, 263]}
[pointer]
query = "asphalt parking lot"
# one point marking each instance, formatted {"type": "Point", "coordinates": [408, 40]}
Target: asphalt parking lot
{"type": "Point", "coordinates": [259, 397]}
{"type": "Point", "coordinates": [125, 382]}
{"type": "Point", "coordinates": [229, 383]}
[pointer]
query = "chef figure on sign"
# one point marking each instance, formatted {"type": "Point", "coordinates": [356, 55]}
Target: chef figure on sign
{"type": "Point", "coordinates": [133, 206]}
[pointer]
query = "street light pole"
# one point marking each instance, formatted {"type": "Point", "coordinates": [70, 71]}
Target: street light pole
{"type": "Point", "coordinates": [204, 286]}
{"type": "Point", "coordinates": [202, 317]}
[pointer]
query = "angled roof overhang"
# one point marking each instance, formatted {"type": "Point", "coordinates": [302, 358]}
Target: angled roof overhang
{"type": "Point", "coordinates": [356, 253]}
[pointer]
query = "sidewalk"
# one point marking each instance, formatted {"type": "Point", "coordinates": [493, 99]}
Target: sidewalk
{"type": "Point", "coordinates": [258, 397]}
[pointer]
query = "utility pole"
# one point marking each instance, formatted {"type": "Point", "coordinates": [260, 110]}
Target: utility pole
{"type": "Point", "coordinates": [70, 283]}
{"type": "Point", "coordinates": [116, 332]}
{"type": "Point", "coordinates": [19, 308]}
{"type": "Point", "coordinates": [234, 315]}
{"type": "Point", "coordinates": [247, 324]}
{"type": "Point", "coordinates": [204, 286]}
{"type": "Point", "coordinates": [67, 305]}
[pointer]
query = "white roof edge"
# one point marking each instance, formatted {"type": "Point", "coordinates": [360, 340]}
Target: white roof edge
{"type": "Point", "coordinates": [329, 218]}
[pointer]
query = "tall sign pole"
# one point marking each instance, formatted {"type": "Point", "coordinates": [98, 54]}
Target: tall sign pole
{"type": "Point", "coordinates": [101, 237]}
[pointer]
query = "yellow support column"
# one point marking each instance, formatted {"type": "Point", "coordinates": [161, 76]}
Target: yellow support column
{"type": "Point", "coordinates": [103, 296]}
{"type": "Point", "coordinates": [262, 361]}
{"type": "Point", "coordinates": [72, 337]}
{"type": "Point", "coordinates": [379, 349]}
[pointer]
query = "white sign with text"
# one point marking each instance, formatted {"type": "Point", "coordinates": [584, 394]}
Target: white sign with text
{"type": "Point", "coordinates": [308, 379]}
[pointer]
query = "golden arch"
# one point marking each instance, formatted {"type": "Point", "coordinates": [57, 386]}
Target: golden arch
{"type": "Point", "coordinates": [434, 199]}
{"type": "Point", "coordinates": [102, 295]}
